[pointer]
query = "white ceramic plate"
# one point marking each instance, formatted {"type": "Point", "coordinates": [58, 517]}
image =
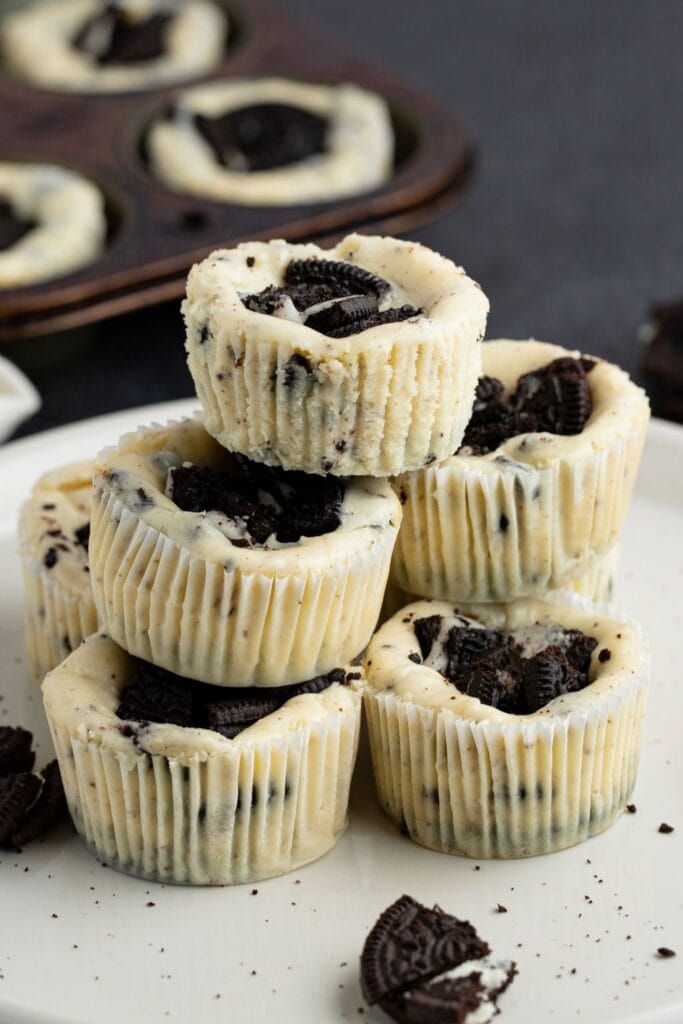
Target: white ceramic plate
{"type": "Point", "coordinates": [81, 944]}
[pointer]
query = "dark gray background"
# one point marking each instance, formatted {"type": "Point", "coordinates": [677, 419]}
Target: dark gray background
{"type": "Point", "coordinates": [574, 224]}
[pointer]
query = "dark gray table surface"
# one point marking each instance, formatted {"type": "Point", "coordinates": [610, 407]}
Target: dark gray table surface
{"type": "Point", "coordinates": [574, 224]}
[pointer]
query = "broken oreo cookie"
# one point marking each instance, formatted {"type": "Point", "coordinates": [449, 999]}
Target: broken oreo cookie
{"type": "Point", "coordinates": [266, 501]}
{"type": "Point", "coordinates": [492, 666]}
{"type": "Point", "coordinates": [112, 36]}
{"type": "Point", "coordinates": [29, 804]}
{"type": "Point", "coordinates": [423, 965]}
{"type": "Point", "coordinates": [555, 398]}
{"type": "Point", "coordinates": [263, 136]}
{"type": "Point", "coordinates": [155, 695]}
{"type": "Point", "coordinates": [337, 299]}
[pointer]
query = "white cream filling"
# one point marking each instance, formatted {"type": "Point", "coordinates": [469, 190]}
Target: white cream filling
{"type": "Point", "coordinates": [492, 976]}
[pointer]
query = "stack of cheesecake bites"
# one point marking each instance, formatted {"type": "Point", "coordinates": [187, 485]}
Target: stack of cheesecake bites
{"type": "Point", "coordinates": [354, 431]}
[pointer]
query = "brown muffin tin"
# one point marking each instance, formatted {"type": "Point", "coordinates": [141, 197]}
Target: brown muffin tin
{"type": "Point", "coordinates": [155, 234]}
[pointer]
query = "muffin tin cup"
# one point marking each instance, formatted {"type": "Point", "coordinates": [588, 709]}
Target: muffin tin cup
{"type": "Point", "coordinates": [485, 790]}
{"type": "Point", "coordinates": [253, 618]}
{"type": "Point", "coordinates": [596, 583]}
{"type": "Point", "coordinates": [156, 234]}
{"type": "Point", "coordinates": [216, 812]}
{"type": "Point", "coordinates": [497, 528]}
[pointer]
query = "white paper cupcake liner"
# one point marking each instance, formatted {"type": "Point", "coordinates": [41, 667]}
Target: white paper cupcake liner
{"type": "Point", "coordinates": [377, 403]}
{"type": "Point", "coordinates": [188, 806]}
{"type": "Point", "coordinates": [197, 605]}
{"type": "Point", "coordinates": [535, 513]}
{"type": "Point", "coordinates": [596, 583]}
{"type": "Point", "coordinates": [497, 785]}
{"type": "Point", "coordinates": [59, 611]}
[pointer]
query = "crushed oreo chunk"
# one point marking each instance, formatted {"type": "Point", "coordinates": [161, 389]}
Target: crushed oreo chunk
{"type": "Point", "coordinates": [113, 36]}
{"type": "Point", "coordinates": [82, 535]}
{"type": "Point", "coordinates": [29, 804]}
{"type": "Point", "coordinates": [263, 136]}
{"type": "Point", "coordinates": [556, 399]}
{"type": "Point", "coordinates": [156, 695]}
{"type": "Point", "coordinates": [330, 296]}
{"type": "Point", "coordinates": [424, 965]}
{"type": "Point", "coordinates": [266, 501]}
{"type": "Point", "coordinates": [13, 227]}
{"type": "Point", "coordinates": [500, 671]}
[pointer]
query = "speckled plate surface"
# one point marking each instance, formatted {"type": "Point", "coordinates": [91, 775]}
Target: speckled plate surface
{"type": "Point", "coordinates": [82, 944]}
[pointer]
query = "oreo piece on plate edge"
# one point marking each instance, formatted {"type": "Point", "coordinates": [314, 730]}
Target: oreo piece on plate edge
{"type": "Point", "coordinates": [426, 966]}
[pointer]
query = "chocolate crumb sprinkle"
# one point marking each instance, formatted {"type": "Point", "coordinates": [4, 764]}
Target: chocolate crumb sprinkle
{"type": "Point", "coordinates": [665, 829]}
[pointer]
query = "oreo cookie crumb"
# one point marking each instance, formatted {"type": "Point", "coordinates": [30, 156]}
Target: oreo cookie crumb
{"type": "Point", "coordinates": [631, 808]}
{"type": "Point", "coordinates": [664, 953]}
{"type": "Point", "coordinates": [500, 909]}
{"type": "Point", "coordinates": [604, 655]}
{"type": "Point", "coordinates": [82, 535]}
{"type": "Point", "coordinates": [50, 558]}
{"type": "Point", "coordinates": [665, 829]}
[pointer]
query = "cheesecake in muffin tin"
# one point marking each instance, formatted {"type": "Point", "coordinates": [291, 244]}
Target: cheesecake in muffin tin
{"type": "Point", "coordinates": [95, 46]}
{"type": "Point", "coordinates": [540, 486]}
{"type": "Point", "coordinates": [356, 360]}
{"type": "Point", "coordinates": [229, 572]}
{"type": "Point", "coordinates": [505, 730]}
{"type": "Point", "coordinates": [175, 782]}
{"type": "Point", "coordinates": [273, 141]}
{"type": "Point", "coordinates": [54, 528]}
{"type": "Point", "coordinates": [52, 222]}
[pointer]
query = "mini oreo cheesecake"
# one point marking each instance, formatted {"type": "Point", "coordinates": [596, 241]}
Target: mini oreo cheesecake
{"type": "Point", "coordinates": [505, 730]}
{"type": "Point", "coordinates": [273, 141]}
{"type": "Point", "coordinates": [356, 360]}
{"type": "Point", "coordinates": [54, 527]}
{"type": "Point", "coordinates": [229, 572]}
{"type": "Point", "coordinates": [537, 491]}
{"type": "Point", "coordinates": [174, 781]}
{"type": "Point", "coordinates": [96, 46]}
{"type": "Point", "coordinates": [52, 222]}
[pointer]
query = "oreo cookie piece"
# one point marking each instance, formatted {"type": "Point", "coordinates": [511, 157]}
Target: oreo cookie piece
{"type": "Point", "coordinates": [427, 966]}
{"type": "Point", "coordinates": [266, 501]}
{"type": "Point", "coordinates": [464, 646]}
{"type": "Point", "coordinates": [343, 278]}
{"type": "Point", "coordinates": [555, 398]}
{"type": "Point", "coordinates": [12, 227]}
{"type": "Point", "coordinates": [341, 317]}
{"type": "Point", "coordinates": [376, 319]}
{"type": "Point", "coordinates": [17, 793]}
{"type": "Point", "coordinates": [46, 811]}
{"type": "Point", "coordinates": [112, 36]}
{"type": "Point", "coordinates": [557, 394]}
{"type": "Point", "coordinates": [82, 535]}
{"type": "Point", "coordinates": [15, 750]}
{"type": "Point", "coordinates": [410, 944]}
{"type": "Point", "coordinates": [426, 630]}
{"type": "Point", "coordinates": [579, 649]}
{"type": "Point", "coordinates": [547, 675]}
{"type": "Point", "coordinates": [495, 680]}
{"type": "Point", "coordinates": [156, 695]}
{"type": "Point", "coordinates": [263, 136]}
